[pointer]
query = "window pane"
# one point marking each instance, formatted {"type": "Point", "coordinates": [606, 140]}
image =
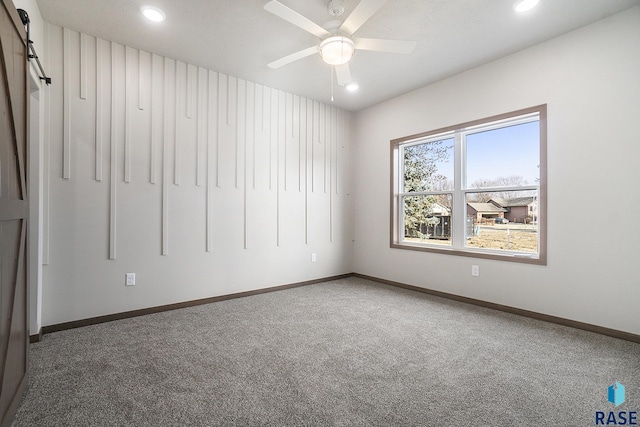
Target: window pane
{"type": "Point", "coordinates": [508, 156]}
{"type": "Point", "coordinates": [503, 220]}
{"type": "Point", "coordinates": [427, 219]}
{"type": "Point", "coordinates": [429, 166]}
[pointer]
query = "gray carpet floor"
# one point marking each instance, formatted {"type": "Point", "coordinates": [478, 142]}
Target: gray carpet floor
{"type": "Point", "coordinates": [342, 353]}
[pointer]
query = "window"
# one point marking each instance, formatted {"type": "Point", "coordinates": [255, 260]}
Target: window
{"type": "Point", "coordinates": [475, 189]}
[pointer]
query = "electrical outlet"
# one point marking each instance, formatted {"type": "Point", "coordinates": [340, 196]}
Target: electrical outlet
{"type": "Point", "coordinates": [130, 279]}
{"type": "Point", "coordinates": [475, 270]}
{"type": "Point", "coordinates": [313, 258]}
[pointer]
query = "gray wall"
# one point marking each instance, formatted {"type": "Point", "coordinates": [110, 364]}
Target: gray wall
{"type": "Point", "coordinates": [202, 184]}
{"type": "Point", "coordinates": [589, 79]}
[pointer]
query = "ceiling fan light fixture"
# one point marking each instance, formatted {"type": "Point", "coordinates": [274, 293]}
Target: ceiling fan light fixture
{"type": "Point", "coordinates": [337, 50]}
{"type": "Point", "coordinates": [522, 6]}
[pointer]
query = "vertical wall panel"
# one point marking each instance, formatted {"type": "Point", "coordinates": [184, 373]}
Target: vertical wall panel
{"type": "Point", "coordinates": [212, 144]}
{"type": "Point", "coordinates": [192, 83]}
{"type": "Point", "coordinates": [83, 66]}
{"type": "Point", "coordinates": [266, 104]}
{"type": "Point", "coordinates": [181, 70]}
{"type": "Point", "coordinates": [270, 128]}
{"type": "Point", "coordinates": [241, 100]}
{"type": "Point", "coordinates": [258, 127]}
{"type": "Point", "coordinates": [232, 99]}
{"type": "Point", "coordinates": [66, 109]}
{"type": "Point", "coordinates": [297, 108]}
{"type": "Point", "coordinates": [249, 144]}
{"type": "Point", "coordinates": [339, 147]}
{"type": "Point", "coordinates": [327, 145]}
{"type": "Point", "coordinates": [201, 138]}
{"type": "Point", "coordinates": [322, 133]}
{"type": "Point", "coordinates": [261, 152]}
{"type": "Point", "coordinates": [228, 150]}
{"type": "Point", "coordinates": [287, 135]}
{"type": "Point", "coordinates": [331, 143]}
{"type": "Point", "coordinates": [169, 136]}
{"type": "Point", "coordinates": [114, 153]}
{"type": "Point", "coordinates": [99, 110]}
{"type": "Point", "coordinates": [223, 115]}
{"type": "Point", "coordinates": [312, 134]}
{"type": "Point", "coordinates": [273, 142]}
{"type": "Point", "coordinates": [346, 132]}
{"type": "Point", "coordinates": [292, 148]}
{"type": "Point", "coordinates": [144, 73]}
{"type": "Point", "coordinates": [280, 144]}
{"type": "Point", "coordinates": [232, 121]}
{"type": "Point", "coordinates": [315, 119]}
{"type": "Point", "coordinates": [274, 139]}
{"type": "Point", "coordinates": [157, 103]}
{"type": "Point", "coordinates": [128, 84]}
{"type": "Point", "coordinates": [306, 136]}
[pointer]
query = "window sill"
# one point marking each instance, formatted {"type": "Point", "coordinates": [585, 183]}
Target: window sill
{"type": "Point", "coordinates": [509, 257]}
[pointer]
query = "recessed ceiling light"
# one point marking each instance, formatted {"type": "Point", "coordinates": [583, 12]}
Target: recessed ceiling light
{"type": "Point", "coordinates": [153, 13]}
{"type": "Point", "coordinates": [522, 6]}
{"type": "Point", "coordinates": [352, 86]}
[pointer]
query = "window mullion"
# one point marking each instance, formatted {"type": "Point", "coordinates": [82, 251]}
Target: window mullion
{"type": "Point", "coordinates": [459, 203]}
{"type": "Point", "coordinates": [400, 188]}
{"type": "Point", "coordinates": [498, 189]}
{"type": "Point", "coordinates": [425, 193]}
{"type": "Point", "coordinates": [400, 224]}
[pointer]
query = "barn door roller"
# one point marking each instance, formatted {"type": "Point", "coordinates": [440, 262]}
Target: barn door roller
{"type": "Point", "coordinates": [24, 16]}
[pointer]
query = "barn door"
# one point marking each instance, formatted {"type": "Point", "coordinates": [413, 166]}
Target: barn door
{"type": "Point", "coordinates": [13, 211]}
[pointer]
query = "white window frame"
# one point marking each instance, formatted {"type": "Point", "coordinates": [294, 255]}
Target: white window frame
{"type": "Point", "coordinates": [461, 189]}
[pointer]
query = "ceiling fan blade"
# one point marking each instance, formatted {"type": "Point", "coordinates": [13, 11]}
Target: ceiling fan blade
{"type": "Point", "coordinates": [343, 74]}
{"type": "Point", "coordinates": [382, 45]}
{"type": "Point", "coordinates": [363, 11]}
{"type": "Point", "coordinates": [295, 18]}
{"type": "Point", "coordinates": [293, 57]}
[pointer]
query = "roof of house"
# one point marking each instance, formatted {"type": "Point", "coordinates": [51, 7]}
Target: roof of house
{"type": "Point", "coordinates": [516, 201]}
{"type": "Point", "coordinates": [485, 207]}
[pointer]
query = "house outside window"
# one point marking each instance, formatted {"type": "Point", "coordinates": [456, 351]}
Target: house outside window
{"type": "Point", "coordinates": [475, 189]}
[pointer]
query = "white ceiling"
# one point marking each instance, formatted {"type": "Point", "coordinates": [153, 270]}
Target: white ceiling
{"type": "Point", "coordinates": [240, 38]}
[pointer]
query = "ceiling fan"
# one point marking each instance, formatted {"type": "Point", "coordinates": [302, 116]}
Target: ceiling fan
{"type": "Point", "coordinates": [337, 44]}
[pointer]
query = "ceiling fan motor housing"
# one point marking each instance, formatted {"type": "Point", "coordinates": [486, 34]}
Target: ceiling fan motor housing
{"type": "Point", "coordinates": [336, 7]}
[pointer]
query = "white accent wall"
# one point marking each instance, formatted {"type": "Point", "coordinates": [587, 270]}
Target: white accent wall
{"type": "Point", "coordinates": [590, 80]}
{"type": "Point", "coordinates": [200, 183]}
